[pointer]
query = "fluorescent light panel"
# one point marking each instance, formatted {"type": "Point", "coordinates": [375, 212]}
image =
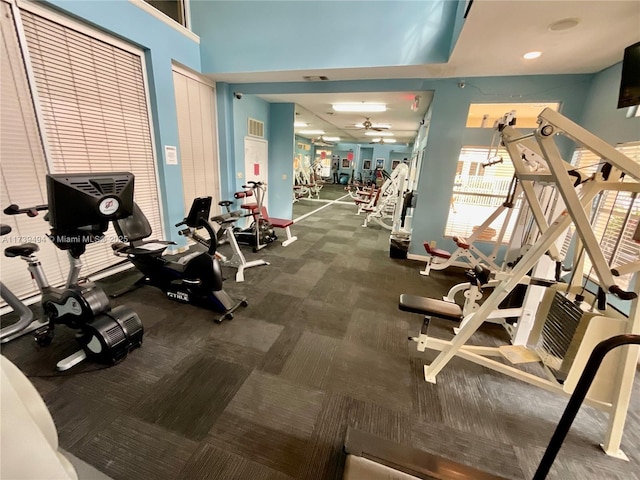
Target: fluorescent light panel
{"type": "Point", "coordinates": [311, 132]}
{"type": "Point", "coordinates": [331, 139]}
{"type": "Point", "coordinates": [300, 124]}
{"type": "Point", "coordinates": [359, 107]}
{"type": "Point", "coordinates": [531, 55]}
{"type": "Point", "coordinates": [378, 134]}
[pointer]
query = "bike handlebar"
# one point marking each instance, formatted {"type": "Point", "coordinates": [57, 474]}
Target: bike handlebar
{"type": "Point", "coordinates": [14, 209]}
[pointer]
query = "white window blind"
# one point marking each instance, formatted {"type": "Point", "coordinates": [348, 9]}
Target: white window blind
{"type": "Point", "coordinates": [94, 108]}
{"type": "Point", "coordinates": [195, 105]}
{"type": "Point", "coordinates": [615, 216]}
{"type": "Point", "coordinates": [478, 192]}
{"type": "Point", "coordinates": [23, 167]}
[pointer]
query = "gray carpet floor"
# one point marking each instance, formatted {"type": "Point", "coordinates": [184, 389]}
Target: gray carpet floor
{"type": "Point", "coordinates": [321, 346]}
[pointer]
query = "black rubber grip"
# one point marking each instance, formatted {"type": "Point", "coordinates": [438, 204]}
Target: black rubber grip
{"type": "Point", "coordinates": [621, 294]}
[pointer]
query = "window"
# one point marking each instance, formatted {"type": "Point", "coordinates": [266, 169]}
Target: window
{"type": "Point", "coordinates": [90, 93]}
{"type": "Point", "coordinates": [478, 192]}
{"type": "Point", "coordinates": [615, 215]}
{"type": "Point", "coordinates": [175, 9]}
{"type": "Point", "coordinates": [484, 115]}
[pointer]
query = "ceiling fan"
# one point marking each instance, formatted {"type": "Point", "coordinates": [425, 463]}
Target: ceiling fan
{"type": "Point", "coordinates": [321, 142]}
{"type": "Point", "coordinates": [369, 125]}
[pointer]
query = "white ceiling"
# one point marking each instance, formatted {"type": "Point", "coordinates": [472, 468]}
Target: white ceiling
{"type": "Point", "coordinates": [495, 36]}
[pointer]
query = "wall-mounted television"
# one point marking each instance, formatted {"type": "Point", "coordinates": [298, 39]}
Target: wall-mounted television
{"type": "Point", "coordinates": [630, 80]}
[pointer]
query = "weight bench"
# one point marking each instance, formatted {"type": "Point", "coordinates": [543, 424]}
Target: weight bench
{"type": "Point", "coordinates": [433, 253]}
{"type": "Point", "coordinates": [429, 307]}
{"type": "Point", "coordinates": [280, 223]}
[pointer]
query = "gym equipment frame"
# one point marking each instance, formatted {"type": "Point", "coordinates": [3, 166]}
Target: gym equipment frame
{"type": "Point", "coordinates": [611, 393]}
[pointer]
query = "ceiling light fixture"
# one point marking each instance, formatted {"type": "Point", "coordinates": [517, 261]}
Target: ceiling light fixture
{"type": "Point", "coordinates": [300, 124]}
{"type": "Point", "coordinates": [531, 55]}
{"type": "Point", "coordinates": [388, 140]}
{"type": "Point", "coordinates": [564, 24]}
{"type": "Point", "coordinates": [359, 107]}
{"type": "Point", "coordinates": [311, 132]}
{"type": "Point", "coordinates": [331, 139]}
{"type": "Point", "coordinates": [378, 134]}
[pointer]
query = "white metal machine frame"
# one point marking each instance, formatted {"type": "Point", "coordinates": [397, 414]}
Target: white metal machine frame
{"type": "Point", "coordinates": [613, 395]}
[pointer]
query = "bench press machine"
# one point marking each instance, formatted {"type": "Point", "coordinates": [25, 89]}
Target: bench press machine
{"type": "Point", "coordinates": [562, 350]}
{"type": "Point", "coordinates": [466, 250]}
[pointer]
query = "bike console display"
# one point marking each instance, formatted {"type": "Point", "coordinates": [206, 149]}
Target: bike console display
{"type": "Point", "coordinates": [81, 205]}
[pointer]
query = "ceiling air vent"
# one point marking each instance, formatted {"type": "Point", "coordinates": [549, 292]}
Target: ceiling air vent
{"type": "Point", "coordinates": [255, 128]}
{"type": "Point", "coordinates": [315, 78]}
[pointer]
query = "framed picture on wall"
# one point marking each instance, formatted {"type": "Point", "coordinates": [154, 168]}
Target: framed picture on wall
{"type": "Point", "coordinates": [394, 164]}
{"type": "Point", "coordinates": [379, 162]}
{"type": "Point", "coordinates": [345, 163]}
{"type": "Point", "coordinates": [366, 165]}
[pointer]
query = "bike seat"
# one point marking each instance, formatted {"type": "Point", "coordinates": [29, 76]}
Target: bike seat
{"type": "Point", "coordinates": [225, 203]}
{"type": "Point", "coordinates": [23, 250]}
{"type": "Point", "coordinates": [154, 247]}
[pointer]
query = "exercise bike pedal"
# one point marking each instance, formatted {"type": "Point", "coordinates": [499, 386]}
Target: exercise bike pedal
{"type": "Point", "coordinates": [44, 336]}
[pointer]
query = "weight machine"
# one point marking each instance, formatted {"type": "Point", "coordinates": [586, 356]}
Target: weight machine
{"type": "Point", "coordinates": [562, 350]}
{"type": "Point", "coordinates": [382, 209]}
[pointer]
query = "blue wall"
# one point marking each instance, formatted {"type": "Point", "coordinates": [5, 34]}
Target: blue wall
{"type": "Point", "coordinates": [281, 147]}
{"type": "Point", "coordinates": [254, 36]}
{"type": "Point", "coordinates": [447, 127]}
{"type": "Point", "coordinates": [162, 44]}
{"type": "Point", "coordinates": [601, 115]}
{"type": "Point", "coordinates": [248, 106]}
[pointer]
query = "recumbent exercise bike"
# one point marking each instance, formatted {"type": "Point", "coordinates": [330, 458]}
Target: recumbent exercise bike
{"type": "Point", "coordinates": [80, 208]}
{"type": "Point", "coordinates": [195, 278]}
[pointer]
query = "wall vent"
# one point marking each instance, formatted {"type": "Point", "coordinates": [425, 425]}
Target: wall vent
{"type": "Point", "coordinates": [315, 78]}
{"type": "Point", "coordinates": [255, 128]}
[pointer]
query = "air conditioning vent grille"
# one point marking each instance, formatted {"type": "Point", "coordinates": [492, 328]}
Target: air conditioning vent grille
{"type": "Point", "coordinates": [255, 128]}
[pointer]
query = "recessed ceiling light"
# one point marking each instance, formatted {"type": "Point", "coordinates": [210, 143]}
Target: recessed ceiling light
{"type": "Point", "coordinates": [311, 132]}
{"type": "Point", "coordinates": [389, 140]}
{"type": "Point", "coordinates": [359, 107]}
{"type": "Point", "coordinates": [564, 24]}
{"type": "Point", "coordinates": [331, 139]}
{"type": "Point", "coordinates": [300, 124]}
{"type": "Point", "coordinates": [378, 134]}
{"type": "Point", "coordinates": [531, 55]}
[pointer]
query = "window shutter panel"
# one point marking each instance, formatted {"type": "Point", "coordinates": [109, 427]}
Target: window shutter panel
{"type": "Point", "coordinates": [479, 191]}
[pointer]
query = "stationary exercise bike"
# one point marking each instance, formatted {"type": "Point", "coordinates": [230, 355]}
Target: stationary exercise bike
{"type": "Point", "coordinates": [226, 235]}
{"type": "Point", "coordinates": [80, 208]}
{"type": "Point", "coordinates": [196, 278]}
{"type": "Point", "coordinates": [260, 233]}
{"type": "Point", "coordinates": [26, 322]}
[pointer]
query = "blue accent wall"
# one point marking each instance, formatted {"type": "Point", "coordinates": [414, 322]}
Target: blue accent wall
{"type": "Point", "coordinates": [281, 147]}
{"type": "Point", "coordinates": [447, 128]}
{"type": "Point", "coordinates": [162, 45]}
{"type": "Point", "coordinates": [254, 36]}
{"type": "Point", "coordinates": [601, 115]}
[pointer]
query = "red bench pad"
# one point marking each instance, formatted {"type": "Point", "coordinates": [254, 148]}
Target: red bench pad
{"type": "Point", "coordinates": [436, 252]}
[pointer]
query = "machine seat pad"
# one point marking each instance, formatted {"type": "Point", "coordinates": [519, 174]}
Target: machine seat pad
{"type": "Point", "coordinates": [250, 206]}
{"type": "Point", "coordinates": [462, 242]}
{"type": "Point", "coordinates": [436, 252]}
{"type": "Point", "coordinates": [23, 250]}
{"type": "Point", "coordinates": [430, 307]}
{"type": "Point", "coordinates": [153, 247]}
{"type": "Point", "coordinates": [280, 222]}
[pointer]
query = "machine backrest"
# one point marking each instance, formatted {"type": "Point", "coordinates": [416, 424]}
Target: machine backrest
{"type": "Point", "coordinates": [199, 212]}
{"type": "Point", "coordinates": [134, 228]}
